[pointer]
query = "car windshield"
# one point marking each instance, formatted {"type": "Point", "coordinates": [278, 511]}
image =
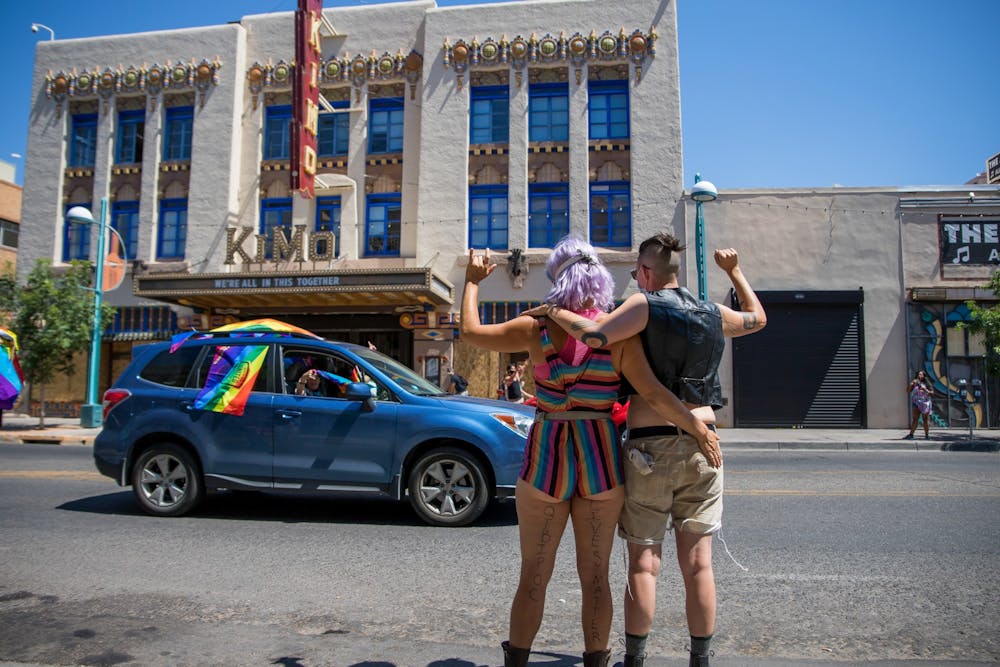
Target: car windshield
{"type": "Point", "coordinates": [400, 374]}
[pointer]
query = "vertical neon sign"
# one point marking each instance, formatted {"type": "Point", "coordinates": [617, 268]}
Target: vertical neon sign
{"type": "Point", "coordinates": [305, 96]}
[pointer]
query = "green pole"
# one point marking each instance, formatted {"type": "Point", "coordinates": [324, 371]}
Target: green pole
{"type": "Point", "coordinates": [91, 413]}
{"type": "Point", "coordinates": [699, 247]}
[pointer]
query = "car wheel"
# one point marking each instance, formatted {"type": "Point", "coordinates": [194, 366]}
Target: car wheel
{"type": "Point", "coordinates": [166, 481]}
{"type": "Point", "coordinates": [448, 488]}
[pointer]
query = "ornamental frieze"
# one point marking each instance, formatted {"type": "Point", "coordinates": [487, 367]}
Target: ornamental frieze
{"type": "Point", "coordinates": [355, 71]}
{"type": "Point", "coordinates": [577, 51]}
{"type": "Point", "coordinates": [106, 83]}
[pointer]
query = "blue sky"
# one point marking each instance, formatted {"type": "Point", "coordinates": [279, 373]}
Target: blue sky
{"type": "Point", "coordinates": [774, 93]}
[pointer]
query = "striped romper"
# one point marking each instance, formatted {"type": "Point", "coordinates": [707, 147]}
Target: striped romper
{"type": "Point", "coordinates": [571, 454]}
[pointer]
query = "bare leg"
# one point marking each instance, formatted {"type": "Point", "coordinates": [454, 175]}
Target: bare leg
{"type": "Point", "coordinates": [927, 425]}
{"type": "Point", "coordinates": [594, 522]}
{"type": "Point", "coordinates": [914, 420]}
{"type": "Point", "coordinates": [640, 596]}
{"type": "Point", "coordinates": [541, 521]}
{"type": "Point", "coordinates": [694, 555]}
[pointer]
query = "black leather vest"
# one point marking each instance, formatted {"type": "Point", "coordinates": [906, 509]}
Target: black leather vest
{"type": "Point", "coordinates": [683, 342]}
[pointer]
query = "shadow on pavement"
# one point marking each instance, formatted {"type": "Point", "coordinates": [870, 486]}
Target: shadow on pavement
{"type": "Point", "coordinates": [555, 660]}
{"type": "Point", "coordinates": [967, 445]}
{"type": "Point", "coordinates": [254, 506]}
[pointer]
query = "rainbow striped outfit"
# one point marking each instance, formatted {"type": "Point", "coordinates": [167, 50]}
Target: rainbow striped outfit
{"type": "Point", "coordinates": [571, 453]}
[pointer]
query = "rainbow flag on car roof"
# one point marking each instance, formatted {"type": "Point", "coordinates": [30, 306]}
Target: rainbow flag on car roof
{"type": "Point", "coordinates": [230, 379]}
{"type": "Point", "coordinates": [11, 377]}
{"type": "Point", "coordinates": [266, 325]}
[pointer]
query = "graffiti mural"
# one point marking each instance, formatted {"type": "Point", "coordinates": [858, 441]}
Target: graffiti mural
{"type": "Point", "coordinates": [954, 363]}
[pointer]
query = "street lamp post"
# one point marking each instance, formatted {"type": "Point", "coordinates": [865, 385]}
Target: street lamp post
{"type": "Point", "coordinates": [36, 26]}
{"type": "Point", "coordinates": [90, 413]}
{"type": "Point", "coordinates": [701, 192]}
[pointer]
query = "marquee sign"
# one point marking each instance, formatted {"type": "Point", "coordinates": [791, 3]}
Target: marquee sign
{"type": "Point", "coordinates": [970, 240]}
{"type": "Point", "coordinates": [305, 96]}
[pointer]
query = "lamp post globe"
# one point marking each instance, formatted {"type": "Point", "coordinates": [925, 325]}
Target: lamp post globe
{"type": "Point", "coordinates": [80, 215]}
{"type": "Point", "coordinates": [702, 191]}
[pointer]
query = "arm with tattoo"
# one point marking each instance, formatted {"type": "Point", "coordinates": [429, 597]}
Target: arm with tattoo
{"type": "Point", "coordinates": [751, 317]}
{"type": "Point", "coordinates": [626, 321]}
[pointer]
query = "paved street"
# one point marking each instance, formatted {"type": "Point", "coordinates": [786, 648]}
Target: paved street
{"type": "Point", "coordinates": [849, 556]}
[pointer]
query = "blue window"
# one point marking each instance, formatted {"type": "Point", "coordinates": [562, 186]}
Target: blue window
{"type": "Point", "coordinates": [277, 132]}
{"type": "Point", "coordinates": [548, 214]}
{"type": "Point", "coordinates": [328, 220]}
{"type": "Point", "coordinates": [172, 232]}
{"type": "Point", "coordinates": [382, 225]}
{"type": "Point", "coordinates": [489, 115]}
{"type": "Point", "coordinates": [610, 214]}
{"type": "Point", "coordinates": [385, 125]}
{"type": "Point", "coordinates": [125, 221]}
{"type": "Point", "coordinates": [177, 134]}
{"type": "Point", "coordinates": [76, 237]}
{"type": "Point", "coordinates": [334, 131]}
{"type": "Point", "coordinates": [548, 112]}
{"type": "Point", "coordinates": [83, 140]}
{"type": "Point", "coordinates": [608, 108]}
{"type": "Point", "coordinates": [488, 216]}
{"type": "Point", "coordinates": [131, 131]}
{"type": "Point", "coordinates": [275, 214]}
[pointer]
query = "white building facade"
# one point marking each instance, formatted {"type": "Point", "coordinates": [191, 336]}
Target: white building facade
{"type": "Point", "coordinates": [490, 126]}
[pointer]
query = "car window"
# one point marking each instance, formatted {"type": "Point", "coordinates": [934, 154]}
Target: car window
{"type": "Point", "coordinates": [400, 374]}
{"type": "Point", "coordinates": [334, 370]}
{"type": "Point", "coordinates": [169, 369]}
{"type": "Point", "coordinates": [212, 353]}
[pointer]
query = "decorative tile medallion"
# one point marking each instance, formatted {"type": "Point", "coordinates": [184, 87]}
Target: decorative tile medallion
{"type": "Point", "coordinates": [549, 49]}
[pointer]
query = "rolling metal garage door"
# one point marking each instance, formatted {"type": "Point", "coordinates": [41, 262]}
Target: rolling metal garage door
{"type": "Point", "coordinates": [807, 367]}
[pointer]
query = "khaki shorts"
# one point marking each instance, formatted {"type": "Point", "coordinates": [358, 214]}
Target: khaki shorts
{"type": "Point", "coordinates": [681, 486]}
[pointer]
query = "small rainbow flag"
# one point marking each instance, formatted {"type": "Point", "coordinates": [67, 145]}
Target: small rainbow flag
{"type": "Point", "coordinates": [230, 379]}
{"type": "Point", "coordinates": [333, 377]}
{"type": "Point", "coordinates": [11, 377]}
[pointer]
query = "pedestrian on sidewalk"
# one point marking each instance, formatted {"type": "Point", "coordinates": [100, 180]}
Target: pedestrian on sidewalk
{"type": "Point", "coordinates": [668, 476]}
{"type": "Point", "coordinates": [571, 468]}
{"type": "Point", "coordinates": [920, 402]}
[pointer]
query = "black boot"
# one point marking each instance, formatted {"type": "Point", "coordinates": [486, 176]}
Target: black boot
{"type": "Point", "coordinates": [514, 656]}
{"type": "Point", "coordinates": [698, 660]}
{"type": "Point", "coordinates": [634, 660]}
{"type": "Point", "coordinates": [597, 658]}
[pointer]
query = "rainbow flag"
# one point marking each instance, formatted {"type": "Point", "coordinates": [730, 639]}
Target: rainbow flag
{"type": "Point", "coordinates": [230, 379]}
{"type": "Point", "coordinates": [333, 377]}
{"type": "Point", "coordinates": [11, 377]}
{"type": "Point", "coordinates": [252, 327]}
{"type": "Point", "coordinates": [265, 325]}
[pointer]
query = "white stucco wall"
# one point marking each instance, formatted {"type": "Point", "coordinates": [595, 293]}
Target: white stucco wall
{"type": "Point", "coordinates": [655, 153]}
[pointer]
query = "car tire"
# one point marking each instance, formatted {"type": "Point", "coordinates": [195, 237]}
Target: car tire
{"type": "Point", "coordinates": [447, 487]}
{"type": "Point", "coordinates": [166, 481]}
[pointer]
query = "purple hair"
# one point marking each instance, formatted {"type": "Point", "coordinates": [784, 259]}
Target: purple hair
{"type": "Point", "coordinates": [583, 283]}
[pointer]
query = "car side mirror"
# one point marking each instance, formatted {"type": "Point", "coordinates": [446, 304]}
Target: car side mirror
{"type": "Point", "coordinates": [361, 391]}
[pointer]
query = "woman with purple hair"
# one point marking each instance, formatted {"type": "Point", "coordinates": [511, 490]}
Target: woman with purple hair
{"type": "Point", "coordinates": [571, 468]}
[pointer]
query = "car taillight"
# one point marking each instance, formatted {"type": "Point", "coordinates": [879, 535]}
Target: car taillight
{"type": "Point", "coordinates": [113, 397]}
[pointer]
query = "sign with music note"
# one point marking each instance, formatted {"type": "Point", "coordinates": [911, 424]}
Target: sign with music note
{"type": "Point", "coordinates": [970, 240]}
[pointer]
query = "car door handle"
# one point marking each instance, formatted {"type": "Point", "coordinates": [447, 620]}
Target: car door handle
{"type": "Point", "coordinates": [189, 406]}
{"type": "Point", "coordinates": [288, 415]}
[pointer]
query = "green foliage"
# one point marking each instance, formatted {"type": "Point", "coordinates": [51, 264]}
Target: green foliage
{"type": "Point", "coordinates": [8, 290]}
{"type": "Point", "coordinates": [53, 317]}
{"type": "Point", "coordinates": [985, 320]}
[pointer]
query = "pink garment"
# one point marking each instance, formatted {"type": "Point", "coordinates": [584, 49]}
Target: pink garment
{"type": "Point", "coordinates": [573, 352]}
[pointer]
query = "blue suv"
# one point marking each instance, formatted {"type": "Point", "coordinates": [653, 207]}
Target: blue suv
{"type": "Point", "coordinates": [369, 426]}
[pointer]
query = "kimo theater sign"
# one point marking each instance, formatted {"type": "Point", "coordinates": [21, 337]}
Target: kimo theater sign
{"type": "Point", "coordinates": [314, 247]}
